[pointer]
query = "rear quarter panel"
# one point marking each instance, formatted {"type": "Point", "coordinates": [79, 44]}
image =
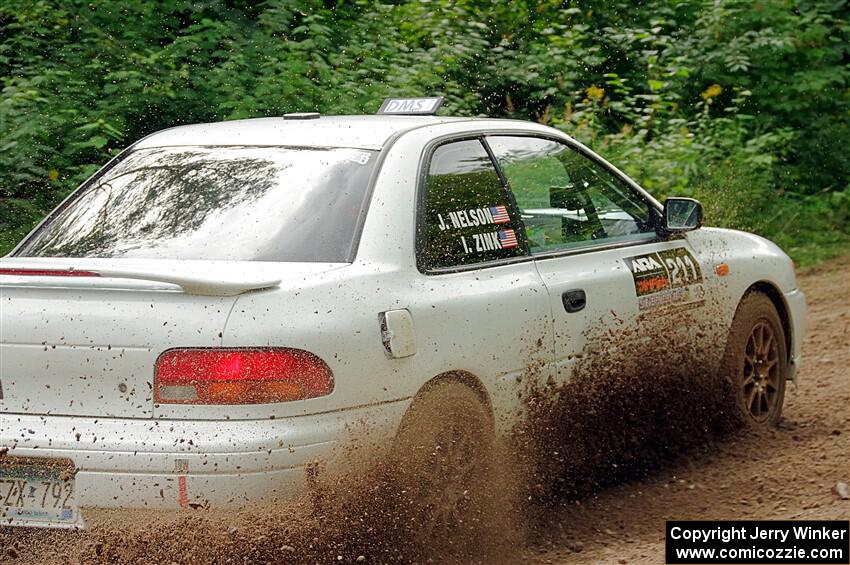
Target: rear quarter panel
{"type": "Point", "coordinates": [479, 322]}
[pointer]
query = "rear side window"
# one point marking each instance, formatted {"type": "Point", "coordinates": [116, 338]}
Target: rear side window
{"type": "Point", "coordinates": [467, 211]}
{"type": "Point", "coordinates": [216, 203]}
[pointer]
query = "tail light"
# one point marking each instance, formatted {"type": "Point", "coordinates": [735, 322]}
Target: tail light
{"type": "Point", "coordinates": [239, 376]}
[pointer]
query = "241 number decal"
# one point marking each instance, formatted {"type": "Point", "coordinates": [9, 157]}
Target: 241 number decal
{"type": "Point", "coordinates": [665, 277]}
{"type": "Point", "coordinates": [683, 270]}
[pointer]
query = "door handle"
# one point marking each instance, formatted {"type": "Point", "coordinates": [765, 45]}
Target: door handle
{"type": "Point", "coordinates": [574, 300]}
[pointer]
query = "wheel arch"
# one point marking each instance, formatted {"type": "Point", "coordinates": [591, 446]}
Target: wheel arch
{"type": "Point", "coordinates": [775, 295]}
{"type": "Point", "coordinates": [463, 377]}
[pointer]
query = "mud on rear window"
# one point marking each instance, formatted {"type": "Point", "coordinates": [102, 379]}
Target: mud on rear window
{"type": "Point", "coordinates": [216, 203]}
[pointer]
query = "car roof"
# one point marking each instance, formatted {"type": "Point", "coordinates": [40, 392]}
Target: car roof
{"type": "Point", "coordinates": [362, 132]}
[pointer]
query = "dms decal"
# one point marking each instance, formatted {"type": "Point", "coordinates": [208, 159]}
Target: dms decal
{"type": "Point", "coordinates": [666, 277]}
{"type": "Point", "coordinates": [474, 217]}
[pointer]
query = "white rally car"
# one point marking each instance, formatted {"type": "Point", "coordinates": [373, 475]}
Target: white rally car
{"type": "Point", "coordinates": [213, 315]}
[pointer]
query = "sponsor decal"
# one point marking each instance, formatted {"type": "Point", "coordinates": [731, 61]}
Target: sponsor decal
{"type": "Point", "coordinates": [672, 276]}
{"type": "Point", "coordinates": [411, 105]}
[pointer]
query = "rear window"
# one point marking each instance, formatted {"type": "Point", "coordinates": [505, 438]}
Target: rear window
{"type": "Point", "coordinates": [216, 203]}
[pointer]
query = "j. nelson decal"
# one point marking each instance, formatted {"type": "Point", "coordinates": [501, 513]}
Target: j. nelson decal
{"type": "Point", "coordinates": [672, 276]}
{"type": "Point", "coordinates": [474, 217]}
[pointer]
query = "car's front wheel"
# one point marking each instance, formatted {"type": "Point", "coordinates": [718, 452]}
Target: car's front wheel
{"type": "Point", "coordinates": [756, 360]}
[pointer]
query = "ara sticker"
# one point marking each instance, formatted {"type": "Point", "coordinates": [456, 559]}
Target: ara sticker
{"type": "Point", "coordinates": [473, 217]}
{"type": "Point", "coordinates": [489, 241]}
{"type": "Point", "coordinates": [665, 277]}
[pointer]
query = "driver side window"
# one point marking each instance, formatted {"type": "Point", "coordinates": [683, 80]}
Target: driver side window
{"type": "Point", "coordinates": [565, 199]}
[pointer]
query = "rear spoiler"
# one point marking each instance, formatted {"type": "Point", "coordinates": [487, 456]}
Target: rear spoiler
{"type": "Point", "coordinates": [191, 284]}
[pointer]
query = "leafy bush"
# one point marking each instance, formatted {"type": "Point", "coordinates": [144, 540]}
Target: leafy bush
{"type": "Point", "coordinates": [741, 104]}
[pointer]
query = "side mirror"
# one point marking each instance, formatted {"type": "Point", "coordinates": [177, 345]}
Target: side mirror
{"type": "Point", "coordinates": [680, 215]}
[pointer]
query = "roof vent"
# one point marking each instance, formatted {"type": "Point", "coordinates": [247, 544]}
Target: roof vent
{"type": "Point", "coordinates": [301, 116]}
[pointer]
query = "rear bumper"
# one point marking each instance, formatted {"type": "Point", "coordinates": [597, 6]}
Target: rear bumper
{"type": "Point", "coordinates": [796, 302]}
{"type": "Point", "coordinates": [123, 463]}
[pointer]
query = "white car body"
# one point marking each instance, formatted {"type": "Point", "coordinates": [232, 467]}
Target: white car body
{"type": "Point", "coordinates": [77, 354]}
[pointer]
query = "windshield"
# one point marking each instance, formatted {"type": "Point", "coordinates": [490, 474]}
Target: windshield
{"type": "Point", "coordinates": [215, 203]}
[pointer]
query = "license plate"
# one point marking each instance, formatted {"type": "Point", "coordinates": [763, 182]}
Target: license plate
{"type": "Point", "coordinates": [38, 492]}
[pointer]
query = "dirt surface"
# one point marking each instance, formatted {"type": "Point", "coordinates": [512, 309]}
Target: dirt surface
{"type": "Point", "coordinates": [782, 473]}
{"type": "Point", "coordinates": [786, 473]}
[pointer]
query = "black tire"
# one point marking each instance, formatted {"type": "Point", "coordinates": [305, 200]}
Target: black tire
{"type": "Point", "coordinates": [756, 360]}
{"type": "Point", "coordinates": [444, 453]}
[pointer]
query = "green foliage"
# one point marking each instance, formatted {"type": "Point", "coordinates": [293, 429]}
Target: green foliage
{"type": "Point", "coordinates": [745, 105]}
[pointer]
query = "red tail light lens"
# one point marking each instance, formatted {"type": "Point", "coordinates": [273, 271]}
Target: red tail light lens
{"type": "Point", "coordinates": [239, 376]}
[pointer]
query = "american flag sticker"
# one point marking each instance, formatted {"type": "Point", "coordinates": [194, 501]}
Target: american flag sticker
{"type": "Point", "coordinates": [507, 239]}
{"type": "Point", "coordinates": [500, 214]}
